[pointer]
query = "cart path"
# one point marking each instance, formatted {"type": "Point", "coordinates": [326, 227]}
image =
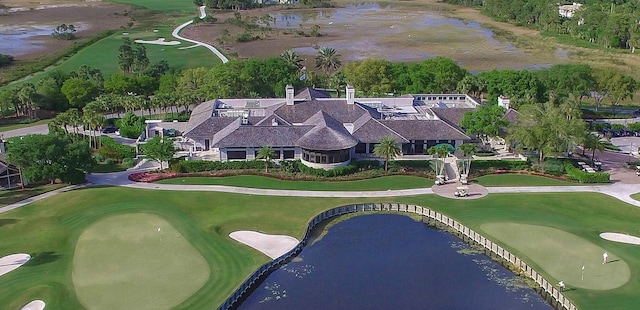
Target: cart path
{"type": "Point", "coordinates": [176, 34]}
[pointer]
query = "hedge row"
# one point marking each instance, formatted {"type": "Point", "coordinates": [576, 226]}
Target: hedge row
{"type": "Point", "coordinates": [114, 150]}
{"type": "Point", "coordinates": [189, 166]}
{"type": "Point", "coordinates": [484, 165]}
{"type": "Point", "coordinates": [574, 173]}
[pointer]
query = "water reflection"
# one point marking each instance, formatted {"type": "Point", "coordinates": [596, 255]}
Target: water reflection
{"type": "Point", "coordinates": [386, 261]}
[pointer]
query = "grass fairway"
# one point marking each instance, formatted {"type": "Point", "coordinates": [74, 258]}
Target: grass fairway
{"type": "Point", "coordinates": [49, 230]}
{"type": "Point", "coordinates": [163, 5]}
{"type": "Point", "coordinates": [136, 261]}
{"type": "Point", "coordinates": [103, 54]}
{"type": "Point", "coordinates": [252, 181]}
{"type": "Point", "coordinates": [514, 179]}
{"type": "Point", "coordinates": [562, 255]}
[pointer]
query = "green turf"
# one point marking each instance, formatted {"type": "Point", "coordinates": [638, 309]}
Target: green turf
{"type": "Point", "coordinates": [381, 183]}
{"type": "Point", "coordinates": [8, 127]}
{"type": "Point", "coordinates": [103, 54]}
{"type": "Point", "coordinates": [163, 5]}
{"type": "Point", "coordinates": [563, 255]}
{"type": "Point", "coordinates": [49, 230]}
{"type": "Point", "coordinates": [162, 269]}
{"type": "Point", "coordinates": [636, 196]}
{"type": "Point", "coordinates": [514, 179]}
{"type": "Point", "coordinates": [15, 195]}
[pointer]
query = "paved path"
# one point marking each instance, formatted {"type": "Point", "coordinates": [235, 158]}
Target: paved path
{"type": "Point", "coordinates": [176, 34]}
{"type": "Point", "coordinates": [619, 191]}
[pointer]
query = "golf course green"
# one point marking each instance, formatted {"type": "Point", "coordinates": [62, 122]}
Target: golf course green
{"type": "Point", "coordinates": [73, 236]}
{"type": "Point", "coordinates": [136, 261]}
{"type": "Point", "coordinates": [563, 255]}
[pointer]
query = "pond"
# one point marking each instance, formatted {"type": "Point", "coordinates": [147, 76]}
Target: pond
{"type": "Point", "coordinates": [19, 40]}
{"type": "Point", "coordinates": [389, 261]}
{"type": "Point", "coordinates": [395, 33]}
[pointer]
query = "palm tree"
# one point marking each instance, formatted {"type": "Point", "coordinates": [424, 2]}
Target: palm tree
{"type": "Point", "coordinates": [594, 143]}
{"type": "Point", "coordinates": [292, 58]}
{"type": "Point", "coordinates": [440, 151]}
{"type": "Point", "coordinates": [327, 60]}
{"type": "Point", "coordinates": [267, 154]}
{"type": "Point", "coordinates": [387, 148]}
{"type": "Point", "coordinates": [467, 151]}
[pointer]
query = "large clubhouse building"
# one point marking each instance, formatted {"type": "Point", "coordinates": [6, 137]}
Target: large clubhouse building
{"type": "Point", "coordinates": [321, 131]}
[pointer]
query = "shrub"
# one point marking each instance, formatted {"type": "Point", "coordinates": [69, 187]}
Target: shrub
{"type": "Point", "coordinates": [340, 171]}
{"type": "Point", "coordinates": [479, 166]}
{"type": "Point", "coordinates": [574, 173]}
{"type": "Point", "coordinates": [290, 166]}
{"type": "Point", "coordinates": [128, 162]}
{"type": "Point", "coordinates": [206, 165]}
{"type": "Point", "coordinates": [554, 167]}
{"type": "Point", "coordinates": [112, 149]}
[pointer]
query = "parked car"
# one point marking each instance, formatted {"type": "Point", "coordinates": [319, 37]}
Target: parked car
{"type": "Point", "coordinates": [109, 129]}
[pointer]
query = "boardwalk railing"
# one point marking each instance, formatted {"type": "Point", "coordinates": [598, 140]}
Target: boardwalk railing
{"type": "Point", "coordinates": [557, 299]}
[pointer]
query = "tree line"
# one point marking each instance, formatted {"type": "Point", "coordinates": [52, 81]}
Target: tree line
{"type": "Point", "coordinates": [613, 24]}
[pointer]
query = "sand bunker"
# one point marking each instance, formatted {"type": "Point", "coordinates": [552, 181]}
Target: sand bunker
{"type": "Point", "coordinates": [622, 238]}
{"type": "Point", "coordinates": [12, 262]}
{"type": "Point", "coordinates": [159, 41]}
{"type": "Point", "coordinates": [273, 246]}
{"type": "Point", "coordinates": [34, 305]}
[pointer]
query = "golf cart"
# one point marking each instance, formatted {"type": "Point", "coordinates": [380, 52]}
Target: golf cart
{"type": "Point", "coordinates": [461, 191]}
{"type": "Point", "coordinates": [440, 180]}
{"type": "Point", "coordinates": [464, 179]}
{"type": "Point", "coordinates": [638, 170]}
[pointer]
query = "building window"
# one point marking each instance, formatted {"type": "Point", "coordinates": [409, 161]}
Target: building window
{"type": "Point", "coordinates": [326, 157]}
{"type": "Point", "coordinates": [289, 154]}
{"type": "Point", "coordinates": [361, 148]}
{"type": "Point", "coordinates": [236, 155]}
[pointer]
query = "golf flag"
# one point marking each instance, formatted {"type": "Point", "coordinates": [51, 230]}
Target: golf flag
{"type": "Point", "coordinates": [158, 229]}
{"type": "Point", "coordinates": [582, 267]}
{"type": "Point", "coordinates": [303, 77]}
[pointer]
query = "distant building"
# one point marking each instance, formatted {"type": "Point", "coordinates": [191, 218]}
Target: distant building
{"type": "Point", "coordinates": [321, 131]}
{"type": "Point", "coordinates": [567, 10]}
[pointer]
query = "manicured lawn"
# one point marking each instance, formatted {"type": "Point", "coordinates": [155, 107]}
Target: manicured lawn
{"type": "Point", "coordinates": [163, 5]}
{"type": "Point", "coordinates": [563, 255]}
{"type": "Point", "coordinates": [252, 181]}
{"type": "Point", "coordinates": [108, 167]}
{"type": "Point", "coordinates": [167, 268]}
{"type": "Point", "coordinates": [8, 127]}
{"type": "Point", "coordinates": [50, 229]}
{"type": "Point", "coordinates": [103, 54]}
{"type": "Point", "coordinates": [514, 179]}
{"type": "Point", "coordinates": [10, 196]}
{"type": "Point", "coordinates": [636, 196]}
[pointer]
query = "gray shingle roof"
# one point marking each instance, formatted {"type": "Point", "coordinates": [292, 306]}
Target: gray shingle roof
{"type": "Point", "coordinates": [208, 127]}
{"type": "Point", "coordinates": [259, 136]}
{"type": "Point", "coordinates": [425, 130]}
{"type": "Point", "coordinates": [327, 134]}
{"type": "Point", "coordinates": [511, 115]}
{"type": "Point", "coordinates": [452, 116]}
{"type": "Point", "coordinates": [311, 94]}
{"type": "Point", "coordinates": [200, 113]}
{"type": "Point", "coordinates": [372, 131]}
{"type": "Point", "coordinates": [302, 111]}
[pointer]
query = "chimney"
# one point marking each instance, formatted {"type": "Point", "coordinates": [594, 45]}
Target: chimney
{"type": "Point", "coordinates": [351, 94]}
{"type": "Point", "coordinates": [245, 117]}
{"type": "Point", "coordinates": [289, 96]}
{"type": "Point", "coordinates": [504, 102]}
